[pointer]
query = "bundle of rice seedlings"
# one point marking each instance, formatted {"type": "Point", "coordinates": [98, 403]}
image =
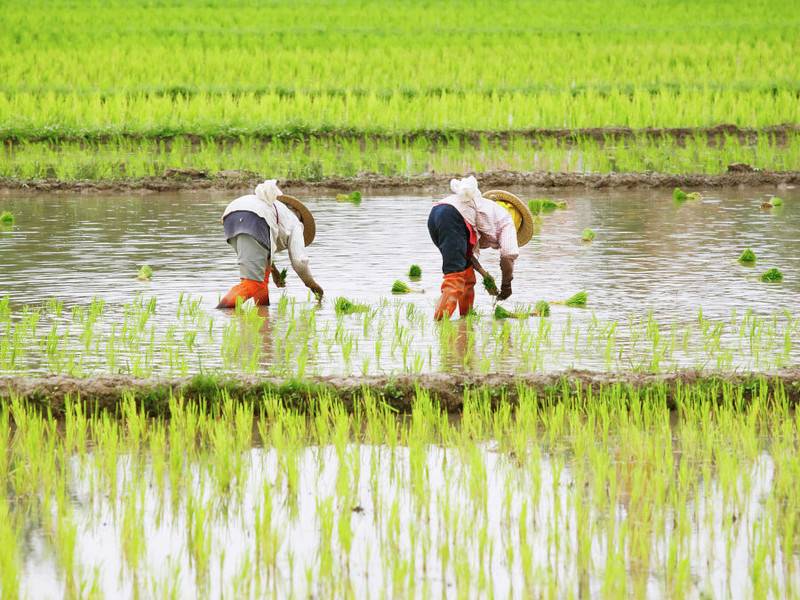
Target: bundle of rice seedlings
{"type": "Point", "coordinates": [145, 273]}
{"type": "Point", "coordinates": [6, 218]}
{"type": "Point", "coordinates": [588, 235]}
{"type": "Point", "coordinates": [578, 299]}
{"type": "Point", "coordinates": [343, 306]}
{"type": "Point", "coordinates": [502, 313]}
{"type": "Point", "coordinates": [748, 257]}
{"type": "Point", "coordinates": [772, 275]}
{"type": "Point", "coordinates": [414, 272]}
{"type": "Point", "coordinates": [776, 201]}
{"type": "Point", "coordinates": [679, 195]}
{"type": "Point", "coordinates": [693, 196]}
{"type": "Point", "coordinates": [400, 287]}
{"type": "Point", "coordinates": [490, 285]}
{"type": "Point", "coordinates": [540, 205]}
{"type": "Point", "coordinates": [352, 197]}
{"type": "Point", "coordinates": [541, 309]}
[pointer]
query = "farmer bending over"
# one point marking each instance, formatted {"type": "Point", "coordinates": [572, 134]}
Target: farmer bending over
{"type": "Point", "coordinates": [463, 223]}
{"type": "Point", "coordinates": [259, 225]}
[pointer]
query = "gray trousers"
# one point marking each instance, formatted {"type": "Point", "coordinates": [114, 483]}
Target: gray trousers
{"type": "Point", "coordinates": [253, 257]}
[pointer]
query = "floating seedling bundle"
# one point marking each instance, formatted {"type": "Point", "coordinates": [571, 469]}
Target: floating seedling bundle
{"type": "Point", "coordinates": [401, 287]}
{"type": "Point", "coordinates": [748, 257]}
{"type": "Point", "coordinates": [344, 306]}
{"type": "Point", "coordinates": [540, 205]}
{"type": "Point", "coordinates": [680, 196]}
{"type": "Point", "coordinates": [414, 272]}
{"type": "Point", "coordinates": [772, 275]}
{"type": "Point", "coordinates": [6, 218]}
{"type": "Point", "coordinates": [145, 273]}
{"type": "Point", "coordinates": [352, 198]}
{"type": "Point", "coordinates": [580, 299]}
{"type": "Point", "coordinates": [587, 235]}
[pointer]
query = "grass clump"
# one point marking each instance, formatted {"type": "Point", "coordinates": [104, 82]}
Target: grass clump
{"type": "Point", "coordinates": [344, 306]}
{"type": "Point", "coordinates": [400, 287]}
{"type": "Point", "coordinates": [588, 235]}
{"type": "Point", "coordinates": [145, 273]}
{"type": "Point", "coordinates": [352, 198]}
{"type": "Point", "coordinates": [490, 285]}
{"type": "Point", "coordinates": [772, 275]}
{"type": "Point", "coordinates": [578, 299]}
{"type": "Point", "coordinates": [748, 257]}
{"type": "Point", "coordinates": [414, 272]}
{"type": "Point", "coordinates": [774, 202]}
{"type": "Point", "coordinates": [6, 218]}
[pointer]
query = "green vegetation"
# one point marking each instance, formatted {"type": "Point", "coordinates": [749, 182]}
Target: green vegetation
{"type": "Point", "coordinates": [772, 275]}
{"type": "Point", "coordinates": [665, 479]}
{"type": "Point", "coordinates": [776, 201]}
{"type": "Point", "coordinates": [578, 299]}
{"type": "Point", "coordinates": [145, 273]}
{"type": "Point", "coordinates": [540, 205]}
{"type": "Point", "coordinates": [352, 198]}
{"type": "Point", "coordinates": [282, 275]}
{"type": "Point", "coordinates": [6, 218]}
{"type": "Point", "coordinates": [311, 96]}
{"type": "Point", "coordinates": [400, 287]}
{"type": "Point", "coordinates": [519, 313]}
{"type": "Point", "coordinates": [490, 285]}
{"type": "Point", "coordinates": [414, 272]}
{"type": "Point", "coordinates": [343, 306]}
{"type": "Point", "coordinates": [541, 309]}
{"type": "Point", "coordinates": [748, 257]}
{"type": "Point", "coordinates": [588, 235]}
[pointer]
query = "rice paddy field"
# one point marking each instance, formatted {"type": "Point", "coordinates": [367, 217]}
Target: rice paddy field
{"type": "Point", "coordinates": [624, 426]}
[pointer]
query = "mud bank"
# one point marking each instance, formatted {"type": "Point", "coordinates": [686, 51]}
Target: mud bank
{"type": "Point", "coordinates": [153, 395]}
{"type": "Point", "coordinates": [738, 175]}
{"type": "Point", "coordinates": [713, 135]}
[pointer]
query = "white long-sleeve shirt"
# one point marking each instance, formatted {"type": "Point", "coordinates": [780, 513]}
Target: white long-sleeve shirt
{"type": "Point", "coordinates": [285, 230]}
{"type": "Point", "coordinates": [494, 226]}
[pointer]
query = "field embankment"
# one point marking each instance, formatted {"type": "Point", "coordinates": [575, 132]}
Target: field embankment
{"type": "Point", "coordinates": [106, 393]}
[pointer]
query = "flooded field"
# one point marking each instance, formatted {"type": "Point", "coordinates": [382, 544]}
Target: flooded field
{"type": "Point", "coordinates": [664, 289]}
{"type": "Point", "coordinates": [583, 496]}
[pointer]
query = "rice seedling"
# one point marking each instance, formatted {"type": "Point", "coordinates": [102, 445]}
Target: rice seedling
{"type": "Point", "coordinates": [747, 257]}
{"type": "Point", "coordinates": [490, 285]}
{"type": "Point", "coordinates": [775, 201]}
{"type": "Point", "coordinates": [772, 275]}
{"type": "Point", "coordinates": [282, 274]}
{"type": "Point", "coordinates": [401, 287]}
{"type": "Point", "coordinates": [145, 273]}
{"type": "Point", "coordinates": [588, 235]}
{"type": "Point", "coordinates": [541, 309]}
{"type": "Point", "coordinates": [578, 299]}
{"type": "Point", "coordinates": [6, 218]}
{"type": "Point", "coordinates": [414, 272]}
{"type": "Point", "coordinates": [352, 198]}
{"type": "Point", "coordinates": [502, 313]}
{"type": "Point", "coordinates": [343, 306]}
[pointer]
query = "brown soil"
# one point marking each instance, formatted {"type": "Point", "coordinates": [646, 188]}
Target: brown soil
{"type": "Point", "coordinates": [738, 175]}
{"type": "Point", "coordinates": [107, 392]}
{"type": "Point", "coordinates": [714, 135]}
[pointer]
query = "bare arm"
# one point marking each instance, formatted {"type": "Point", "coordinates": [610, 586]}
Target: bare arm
{"type": "Point", "coordinates": [507, 269]}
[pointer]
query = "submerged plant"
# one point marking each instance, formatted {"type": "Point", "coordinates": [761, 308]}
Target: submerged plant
{"type": "Point", "coordinates": [414, 272]}
{"type": "Point", "coordinates": [352, 197]}
{"type": "Point", "coordinates": [748, 257]}
{"type": "Point", "coordinates": [344, 306]}
{"type": "Point", "coordinates": [588, 235]}
{"type": "Point", "coordinates": [6, 218]}
{"type": "Point", "coordinates": [145, 273]}
{"type": "Point", "coordinates": [490, 285]}
{"type": "Point", "coordinates": [772, 275]}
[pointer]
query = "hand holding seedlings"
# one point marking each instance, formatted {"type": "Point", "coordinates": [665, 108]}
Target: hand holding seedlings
{"type": "Point", "coordinates": [279, 277]}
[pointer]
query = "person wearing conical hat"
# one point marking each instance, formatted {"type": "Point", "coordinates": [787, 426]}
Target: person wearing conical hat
{"type": "Point", "coordinates": [462, 224]}
{"type": "Point", "coordinates": [260, 225]}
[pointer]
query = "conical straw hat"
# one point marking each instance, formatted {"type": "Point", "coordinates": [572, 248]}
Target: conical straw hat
{"type": "Point", "coordinates": [305, 216]}
{"type": "Point", "coordinates": [525, 229]}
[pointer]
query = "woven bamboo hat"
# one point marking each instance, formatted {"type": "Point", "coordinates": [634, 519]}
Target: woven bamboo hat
{"type": "Point", "coordinates": [305, 216]}
{"type": "Point", "coordinates": [513, 204]}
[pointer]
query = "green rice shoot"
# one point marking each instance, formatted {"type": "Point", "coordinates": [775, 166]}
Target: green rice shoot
{"type": "Point", "coordinates": [400, 287]}
{"type": "Point", "coordinates": [679, 195]}
{"type": "Point", "coordinates": [344, 306]}
{"type": "Point", "coordinates": [352, 198]}
{"type": "Point", "coordinates": [578, 299]}
{"type": "Point", "coordinates": [414, 272]}
{"type": "Point", "coordinates": [490, 285]}
{"type": "Point", "coordinates": [776, 201]}
{"type": "Point", "coordinates": [588, 235]}
{"type": "Point", "coordinates": [772, 275]}
{"type": "Point", "coordinates": [145, 273]}
{"type": "Point", "coordinates": [748, 257]}
{"type": "Point", "coordinates": [6, 218]}
{"type": "Point", "coordinates": [542, 309]}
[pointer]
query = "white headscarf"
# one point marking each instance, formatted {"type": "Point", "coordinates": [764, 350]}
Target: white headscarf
{"type": "Point", "coordinates": [467, 190]}
{"type": "Point", "coordinates": [268, 191]}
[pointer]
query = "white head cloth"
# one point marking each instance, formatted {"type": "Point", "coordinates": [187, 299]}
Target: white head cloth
{"type": "Point", "coordinates": [268, 191]}
{"type": "Point", "coordinates": [467, 190]}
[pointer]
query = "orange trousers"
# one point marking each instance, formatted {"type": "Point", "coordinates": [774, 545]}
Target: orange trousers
{"type": "Point", "coordinates": [246, 289]}
{"type": "Point", "coordinates": [458, 289]}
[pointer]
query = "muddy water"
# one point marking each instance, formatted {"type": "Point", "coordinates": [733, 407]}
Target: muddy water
{"type": "Point", "coordinates": [650, 254]}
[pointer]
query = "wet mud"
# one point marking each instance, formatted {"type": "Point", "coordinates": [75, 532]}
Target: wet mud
{"type": "Point", "coordinates": [738, 176]}
{"type": "Point", "coordinates": [106, 393]}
